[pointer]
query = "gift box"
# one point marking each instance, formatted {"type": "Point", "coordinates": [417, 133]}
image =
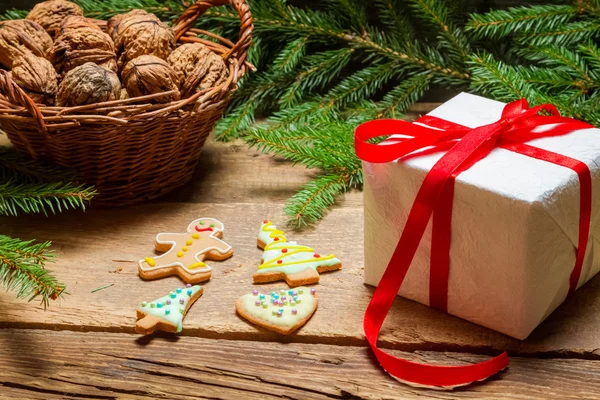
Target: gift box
{"type": "Point", "coordinates": [517, 221]}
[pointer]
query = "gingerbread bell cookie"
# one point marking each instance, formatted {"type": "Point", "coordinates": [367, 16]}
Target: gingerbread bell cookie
{"type": "Point", "coordinates": [289, 261]}
{"type": "Point", "coordinates": [185, 252]}
{"type": "Point", "coordinates": [166, 313]}
{"type": "Point", "coordinates": [282, 312]}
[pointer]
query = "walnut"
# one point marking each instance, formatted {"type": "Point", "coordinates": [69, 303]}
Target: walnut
{"type": "Point", "coordinates": [149, 74]}
{"type": "Point", "coordinates": [77, 47]}
{"type": "Point", "coordinates": [112, 26]}
{"type": "Point", "coordinates": [143, 35]}
{"type": "Point", "coordinates": [20, 36]}
{"type": "Point", "coordinates": [88, 84]}
{"type": "Point", "coordinates": [49, 14]}
{"type": "Point", "coordinates": [73, 22]}
{"type": "Point", "coordinates": [36, 76]}
{"type": "Point", "coordinates": [197, 68]}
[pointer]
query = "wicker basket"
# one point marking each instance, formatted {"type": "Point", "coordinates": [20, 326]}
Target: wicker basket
{"type": "Point", "coordinates": [130, 150]}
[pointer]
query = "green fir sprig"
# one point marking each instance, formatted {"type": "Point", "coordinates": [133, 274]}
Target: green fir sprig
{"type": "Point", "coordinates": [27, 187]}
{"type": "Point", "coordinates": [22, 269]}
{"type": "Point", "coordinates": [323, 71]}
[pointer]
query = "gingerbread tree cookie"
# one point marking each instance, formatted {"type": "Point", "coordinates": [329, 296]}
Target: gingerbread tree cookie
{"type": "Point", "coordinates": [185, 252]}
{"type": "Point", "coordinates": [289, 261]}
{"type": "Point", "coordinates": [282, 312]}
{"type": "Point", "coordinates": [166, 314]}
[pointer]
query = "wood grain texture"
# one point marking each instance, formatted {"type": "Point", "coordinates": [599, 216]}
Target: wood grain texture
{"type": "Point", "coordinates": [33, 363]}
{"type": "Point", "coordinates": [102, 246]}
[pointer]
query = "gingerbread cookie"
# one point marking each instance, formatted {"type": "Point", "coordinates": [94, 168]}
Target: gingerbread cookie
{"type": "Point", "coordinates": [294, 263]}
{"type": "Point", "coordinates": [282, 312]}
{"type": "Point", "coordinates": [185, 252]}
{"type": "Point", "coordinates": [166, 313]}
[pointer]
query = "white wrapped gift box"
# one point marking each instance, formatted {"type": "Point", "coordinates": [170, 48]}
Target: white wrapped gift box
{"type": "Point", "coordinates": [515, 225]}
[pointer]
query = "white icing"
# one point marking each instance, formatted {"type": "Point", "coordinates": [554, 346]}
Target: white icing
{"type": "Point", "coordinates": [295, 253]}
{"type": "Point", "coordinates": [218, 227]}
{"type": "Point", "coordinates": [267, 230]}
{"type": "Point", "coordinates": [175, 316]}
{"type": "Point", "coordinates": [304, 309]}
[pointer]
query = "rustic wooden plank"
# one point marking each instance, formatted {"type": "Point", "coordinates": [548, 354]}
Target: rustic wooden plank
{"type": "Point", "coordinates": [92, 246]}
{"type": "Point", "coordinates": [122, 366]}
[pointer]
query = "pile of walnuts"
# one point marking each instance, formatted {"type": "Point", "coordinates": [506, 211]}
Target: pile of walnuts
{"type": "Point", "coordinates": [59, 57]}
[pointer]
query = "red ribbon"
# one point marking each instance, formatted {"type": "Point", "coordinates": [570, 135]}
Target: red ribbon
{"type": "Point", "coordinates": [465, 146]}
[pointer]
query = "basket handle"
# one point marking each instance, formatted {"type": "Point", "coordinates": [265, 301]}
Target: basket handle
{"type": "Point", "coordinates": [189, 16]}
{"type": "Point", "coordinates": [16, 95]}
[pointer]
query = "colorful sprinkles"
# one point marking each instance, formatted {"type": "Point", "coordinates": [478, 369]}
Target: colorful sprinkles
{"type": "Point", "coordinates": [280, 301]}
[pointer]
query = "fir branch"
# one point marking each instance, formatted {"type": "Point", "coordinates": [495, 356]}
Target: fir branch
{"type": "Point", "coordinates": [436, 13]}
{"type": "Point", "coordinates": [14, 14]}
{"type": "Point", "coordinates": [29, 171]}
{"type": "Point", "coordinates": [396, 101]}
{"type": "Point", "coordinates": [237, 121]}
{"type": "Point", "coordinates": [558, 57]}
{"type": "Point", "coordinates": [360, 85]}
{"type": "Point", "coordinates": [353, 11]}
{"type": "Point", "coordinates": [591, 54]}
{"type": "Point", "coordinates": [394, 19]}
{"type": "Point", "coordinates": [319, 70]}
{"type": "Point", "coordinates": [291, 55]}
{"type": "Point", "coordinates": [494, 78]}
{"type": "Point", "coordinates": [16, 197]}
{"type": "Point", "coordinates": [22, 270]}
{"type": "Point", "coordinates": [563, 35]}
{"type": "Point", "coordinates": [165, 9]}
{"type": "Point", "coordinates": [501, 23]}
{"type": "Point", "coordinates": [310, 203]}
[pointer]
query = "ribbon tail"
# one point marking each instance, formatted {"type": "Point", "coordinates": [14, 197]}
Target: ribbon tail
{"type": "Point", "coordinates": [465, 152]}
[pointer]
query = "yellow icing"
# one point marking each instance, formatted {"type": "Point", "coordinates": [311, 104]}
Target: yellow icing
{"type": "Point", "coordinates": [184, 248]}
{"type": "Point", "coordinates": [180, 254]}
{"type": "Point", "coordinates": [195, 236]}
{"type": "Point", "coordinates": [302, 249]}
{"type": "Point", "coordinates": [150, 261]}
{"type": "Point", "coordinates": [274, 232]}
{"type": "Point", "coordinates": [196, 265]}
{"type": "Point", "coordinates": [287, 246]}
{"type": "Point", "coordinates": [310, 260]}
{"type": "Point", "coordinates": [188, 242]}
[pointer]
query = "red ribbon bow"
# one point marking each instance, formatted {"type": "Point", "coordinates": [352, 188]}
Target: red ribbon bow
{"type": "Point", "coordinates": [465, 146]}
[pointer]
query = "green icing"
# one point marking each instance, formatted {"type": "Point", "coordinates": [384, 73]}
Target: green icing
{"type": "Point", "coordinates": [174, 312]}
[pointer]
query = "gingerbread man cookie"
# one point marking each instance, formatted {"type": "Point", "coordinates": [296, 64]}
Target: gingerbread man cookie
{"type": "Point", "coordinates": [282, 312]}
{"type": "Point", "coordinates": [294, 263]}
{"type": "Point", "coordinates": [185, 252]}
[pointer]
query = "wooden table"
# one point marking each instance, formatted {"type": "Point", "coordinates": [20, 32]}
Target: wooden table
{"type": "Point", "coordinates": [85, 346]}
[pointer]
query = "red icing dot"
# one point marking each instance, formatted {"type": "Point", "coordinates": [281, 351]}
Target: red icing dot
{"type": "Point", "coordinates": [279, 261]}
{"type": "Point", "coordinates": [265, 221]}
{"type": "Point", "coordinates": [284, 250]}
{"type": "Point", "coordinates": [317, 255]}
{"type": "Point", "coordinates": [276, 239]}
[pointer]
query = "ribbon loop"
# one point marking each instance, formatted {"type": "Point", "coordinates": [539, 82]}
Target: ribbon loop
{"type": "Point", "coordinates": [465, 147]}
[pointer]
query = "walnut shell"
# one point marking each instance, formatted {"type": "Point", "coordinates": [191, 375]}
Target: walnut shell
{"type": "Point", "coordinates": [49, 14]}
{"type": "Point", "coordinates": [88, 84]}
{"type": "Point", "coordinates": [112, 25]}
{"type": "Point", "coordinates": [74, 22]}
{"type": "Point", "coordinates": [197, 67]}
{"type": "Point", "coordinates": [143, 35]}
{"type": "Point", "coordinates": [36, 76]}
{"type": "Point", "coordinates": [20, 36]}
{"type": "Point", "coordinates": [77, 47]}
{"type": "Point", "coordinates": [149, 74]}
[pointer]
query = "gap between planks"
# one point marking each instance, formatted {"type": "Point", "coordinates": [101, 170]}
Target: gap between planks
{"type": "Point", "coordinates": [48, 365]}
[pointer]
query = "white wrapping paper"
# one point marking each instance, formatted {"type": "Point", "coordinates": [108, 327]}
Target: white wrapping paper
{"type": "Point", "coordinates": [515, 225]}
